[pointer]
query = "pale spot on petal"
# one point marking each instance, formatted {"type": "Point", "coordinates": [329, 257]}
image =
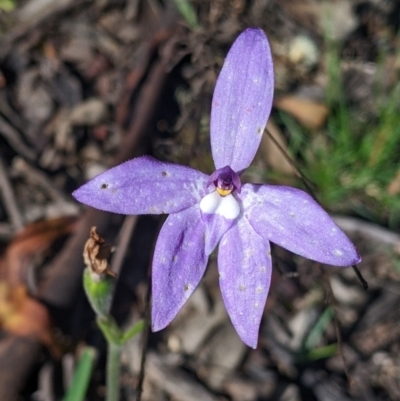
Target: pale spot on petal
{"type": "Point", "coordinates": [248, 253]}
{"type": "Point", "coordinates": [338, 252]}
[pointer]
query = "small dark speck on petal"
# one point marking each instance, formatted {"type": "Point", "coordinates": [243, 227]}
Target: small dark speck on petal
{"type": "Point", "coordinates": [259, 130]}
{"type": "Point", "coordinates": [104, 186]}
{"type": "Point", "coordinates": [164, 174]}
{"type": "Point", "coordinates": [186, 287]}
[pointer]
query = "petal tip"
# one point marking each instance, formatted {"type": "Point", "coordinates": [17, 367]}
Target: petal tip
{"type": "Point", "coordinates": [252, 343]}
{"type": "Point", "coordinates": [159, 321]}
{"type": "Point", "coordinates": [249, 337]}
{"type": "Point", "coordinates": [76, 194]}
{"type": "Point", "coordinates": [357, 259]}
{"type": "Point", "coordinates": [81, 194]}
{"type": "Point", "coordinates": [156, 327]}
{"type": "Point", "coordinates": [254, 33]}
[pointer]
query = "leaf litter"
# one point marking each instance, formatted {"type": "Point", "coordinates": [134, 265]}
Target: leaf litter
{"type": "Point", "coordinates": [89, 84]}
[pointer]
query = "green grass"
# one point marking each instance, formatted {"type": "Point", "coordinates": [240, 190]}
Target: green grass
{"type": "Point", "coordinates": [7, 5]}
{"type": "Point", "coordinates": [352, 160]}
{"type": "Point", "coordinates": [82, 375]}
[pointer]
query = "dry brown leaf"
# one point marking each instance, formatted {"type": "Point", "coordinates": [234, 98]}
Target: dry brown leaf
{"type": "Point", "coordinates": [394, 186]}
{"type": "Point", "coordinates": [20, 314]}
{"type": "Point", "coordinates": [96, 253]}
{"type": "Point", "coordinates": [309, 113]}
{"type": "Point", "coordinates": [33, 240]}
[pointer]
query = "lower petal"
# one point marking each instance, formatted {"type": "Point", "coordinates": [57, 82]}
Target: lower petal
{"type": "Point", "coordinates": [178, 265]}
{"type": "Point", "coordinates": [244, 264]}
{"type": "Point", "coordinates": [219, 213]}
{"type": "Point", "coordinates": [216, 226]}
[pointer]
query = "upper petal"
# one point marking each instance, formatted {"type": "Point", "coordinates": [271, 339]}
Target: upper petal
{"type": "Point", "coordinates": [242, 101]}
{"type": "Point", "coordinates": [179, 263]}
{"type": "Point", "coordinates": [292, 219]}
{"type": "Point", "coordinates": [144, 186]}
{"type": "Point", "coordinates": [244, 264]}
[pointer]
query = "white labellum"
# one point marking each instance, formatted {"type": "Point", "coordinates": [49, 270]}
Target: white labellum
{"type": "Point", "coordinates": [226, 206]}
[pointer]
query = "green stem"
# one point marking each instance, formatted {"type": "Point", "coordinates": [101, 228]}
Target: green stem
{"type": "Point", "coordinates": [132, 331]}
{"type": "Point", "coordinates": [113, 370]}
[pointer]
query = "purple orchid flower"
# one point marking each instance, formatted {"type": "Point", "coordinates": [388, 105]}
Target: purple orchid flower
{"type": "Point", "coordinates": [209, 210]}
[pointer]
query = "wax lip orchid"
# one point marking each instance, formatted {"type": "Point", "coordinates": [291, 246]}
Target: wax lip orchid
{"type": "Point", "coordinates": [205, 211]}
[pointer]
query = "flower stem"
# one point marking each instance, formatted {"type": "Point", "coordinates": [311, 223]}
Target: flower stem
{"type": "Point", "coordinates": [113, 370]}
{"type": "Point", "coordinates": [99, 285]}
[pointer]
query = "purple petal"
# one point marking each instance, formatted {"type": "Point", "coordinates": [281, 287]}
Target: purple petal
{"type": "Point", "coordinates": [216, 227]}
{"type": "Point", "coordinates": [242, 101]}
{"type": "Point", "coordinates": [244, 264]}
{"type": "Point", "coordinates": [144, 186]}
{"type": "Point", "coordinates": [179, 263]}
{"type": "Point", "coordinates": [292, 219]}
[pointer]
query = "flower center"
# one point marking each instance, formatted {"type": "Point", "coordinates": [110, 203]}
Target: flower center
{"type": "Point", "coordinates": [225, 181]}
{"type": "Point", "coordinates": [221, 201]}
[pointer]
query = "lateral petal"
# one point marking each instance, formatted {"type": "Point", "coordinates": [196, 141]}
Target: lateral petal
{"type": "Point", "coordinates": [242, 101]}
{"type": "Point", "coordinates": [144, 186]}
{"type": "Point", "coordinates": [179, 263]}
{"type": "Point", "coordinates": [244, 264]}
{"type": "Point", "coordinates": [292, 219]}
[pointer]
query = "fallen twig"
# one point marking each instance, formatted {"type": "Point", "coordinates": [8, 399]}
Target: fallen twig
{"type": "Point", "coordinates": [10, 203]}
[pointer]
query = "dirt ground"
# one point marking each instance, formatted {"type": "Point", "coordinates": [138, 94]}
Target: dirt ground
{"type": "Point", "coordinates": [85, 85]}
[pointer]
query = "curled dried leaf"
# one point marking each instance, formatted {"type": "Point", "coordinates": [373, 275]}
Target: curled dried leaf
{"type": "Point", "coordinates": [96, 253]}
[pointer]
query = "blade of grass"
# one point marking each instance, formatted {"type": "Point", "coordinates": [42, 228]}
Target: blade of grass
{"type": "Point", "coordinates": [82, 374]}
{"type": "Point", "coordinates": [322, 352]}
{"type": "Point", "coordinates": [188, 13]}
{"type": "Point", "coordinates": [319, 329]}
